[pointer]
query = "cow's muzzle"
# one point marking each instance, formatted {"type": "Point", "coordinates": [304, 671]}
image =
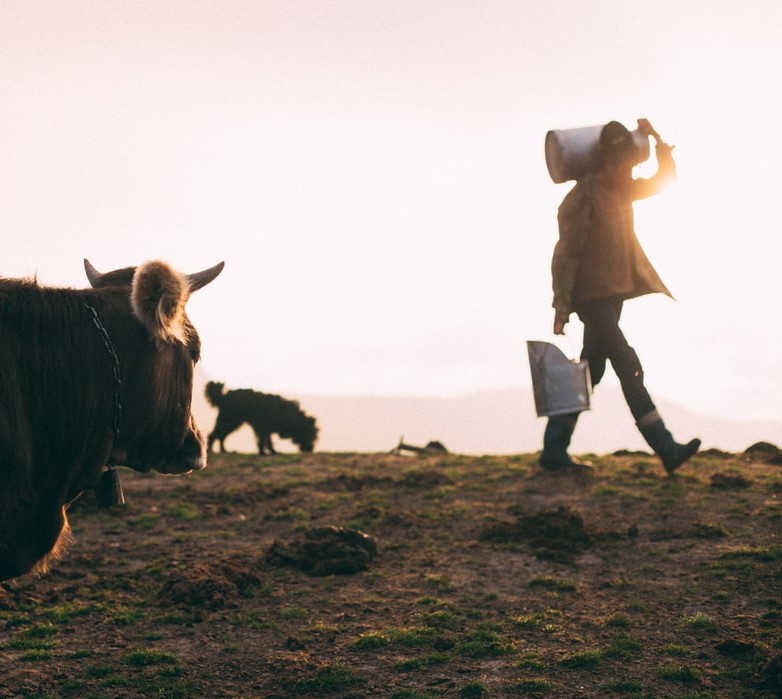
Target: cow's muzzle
{"type": "Point", "coordinates": [192, 456]}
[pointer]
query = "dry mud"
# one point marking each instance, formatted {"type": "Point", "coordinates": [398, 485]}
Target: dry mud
{"type": "Point", "coordinates": [379, 575]}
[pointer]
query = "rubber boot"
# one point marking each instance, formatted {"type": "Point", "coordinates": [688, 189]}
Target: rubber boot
{"type": "Point", "coordinates": [657, 436]}
{"type": "Point", "coordinates": [556, 440]}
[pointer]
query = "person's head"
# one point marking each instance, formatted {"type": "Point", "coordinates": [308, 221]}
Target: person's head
{"type": "Point", "coordinates": [619, 152]}
{"type": "Point", "coordinates": [616, 143]}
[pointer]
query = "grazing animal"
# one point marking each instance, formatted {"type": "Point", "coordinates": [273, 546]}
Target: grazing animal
{"type": "Point", "coordinates": [266, 414]}
{"type": "Point", "coordinates": [89, 378]}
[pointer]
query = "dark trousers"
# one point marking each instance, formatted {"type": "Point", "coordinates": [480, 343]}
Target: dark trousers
{"type": "Point", "coordinates": [603, 340]}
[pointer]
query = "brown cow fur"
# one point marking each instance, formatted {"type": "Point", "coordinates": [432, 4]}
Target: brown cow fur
{"type": "Point", "coordinates": [72, 364]}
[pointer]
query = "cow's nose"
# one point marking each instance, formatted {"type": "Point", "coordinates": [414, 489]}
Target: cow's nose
{"type": "Point", "coordinates": [195, 451]}
{"type": "Point", "coordinates": [197, 462]}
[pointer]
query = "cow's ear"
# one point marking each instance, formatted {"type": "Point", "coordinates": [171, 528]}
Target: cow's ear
{"type": "Point", "coordinates": [158, 296]}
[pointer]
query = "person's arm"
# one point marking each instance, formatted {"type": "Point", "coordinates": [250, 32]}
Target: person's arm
{"type": "Point", "coordinates": [574, 221]}
{"type": "Point", "coordinates": [646, 128]}
{"type": "Point", "coordinates": [666, 166]}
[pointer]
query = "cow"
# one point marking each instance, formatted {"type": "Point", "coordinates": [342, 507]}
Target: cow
{"type": "Point", "coordinates": [90, 378]}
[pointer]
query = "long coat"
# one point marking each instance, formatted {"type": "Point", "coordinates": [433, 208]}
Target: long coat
{"type": "Point", "coordinates": [598, 255]}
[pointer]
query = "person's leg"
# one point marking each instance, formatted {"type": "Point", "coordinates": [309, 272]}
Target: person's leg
{"type": "Point", "coordinates": [657, 436]}
{"type": "Point", "coordinates": [560, 428]}
{"type": "Point", "coordinates": [556, 440]}
{"type": "Point", "coordinates": [604, 339]}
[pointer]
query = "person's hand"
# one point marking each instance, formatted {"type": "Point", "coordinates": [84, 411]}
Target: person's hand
{"type": "Point", "coordinates": [559, 326]}
{"type": "Point", "coordinates": [646, 128]}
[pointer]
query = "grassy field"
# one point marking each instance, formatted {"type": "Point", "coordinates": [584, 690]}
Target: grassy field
{"type": "Point", "coordinates": [478, 577]}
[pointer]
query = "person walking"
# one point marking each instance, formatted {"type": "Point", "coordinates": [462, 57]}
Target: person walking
{"type": "Point", "coordinates": [597, 265]}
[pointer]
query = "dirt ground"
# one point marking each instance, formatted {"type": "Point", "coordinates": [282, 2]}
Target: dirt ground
{"type": "Point", "coordinates": [413, 576]}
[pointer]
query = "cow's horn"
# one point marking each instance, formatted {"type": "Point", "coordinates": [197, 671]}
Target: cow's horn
{"type": "Point", "coordinates": [93, 275]}
{"type": "Point", "coordinates": [201, 279]}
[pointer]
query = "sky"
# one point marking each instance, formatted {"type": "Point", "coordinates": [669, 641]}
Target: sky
{"type": "Point", "coordinates": [372, 174]}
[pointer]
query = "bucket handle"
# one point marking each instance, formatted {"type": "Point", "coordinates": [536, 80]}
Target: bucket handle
{"type": "Point", "coordinates": [570, 349]}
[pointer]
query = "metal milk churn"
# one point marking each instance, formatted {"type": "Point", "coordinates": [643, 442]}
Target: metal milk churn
{"type": "Point", "coordinates": [572, 152]}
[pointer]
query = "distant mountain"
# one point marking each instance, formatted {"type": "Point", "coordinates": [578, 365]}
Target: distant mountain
{"type": "Point", "coordinates": [490, 422]}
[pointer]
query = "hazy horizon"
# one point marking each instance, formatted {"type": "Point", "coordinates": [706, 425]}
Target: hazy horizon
{"type": "Point", "coordinates": [501, 421]}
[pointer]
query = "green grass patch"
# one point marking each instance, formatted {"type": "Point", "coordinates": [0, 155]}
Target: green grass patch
{"type": "Point", "coordinates": [371, 640]}
{"type": "Point", "coordinates": [762, 554]}
{"type": "Point", "coordinates": [413, 637]}
{"type": "Point", "coordinates": [582, 659]}
{"type": "Point", "coordinates": [477, 643]}
{"type": "Point", "coordinates": [184, 510]}
{"type": "Point", "coordinates": [530, 621]}
{"type": "Point", "coordinates": [440, 582]}
{"type": "Point", "coordinates": [532, 686]}
{"type": "Point", "coordinates": [553, 584]}
{"type": "Point", "coordinates": [429, 601]}
{"type": "Point", "coordinates": [82, 653]}
{"type": "Point", "coordinates": [28, 644]}
{"type": "Point", "coordinates": [484, 644]}
{"type": "Point", "coordinates": [35, 655]}
{"type": "Point", "coordinates": [425, 661]}
{"type": "Point", "coordinates": [625, 687]}
{"type": "Point", "coordinates": [605, 490]}
{"type": "Point", "coordinates": [677, 651]}
{"type": "Point", "coordinates": [618, 621]}
{"type": "Point", "coordinates": [331, 679]}
{"type": "Point", "coordinates": [291, 514]}
{"type": "Point", "coordinates": [40, 631]}
{"type": "Point", "coordinates": [143, 522]}
{"type": "Point", "coordinates": [98, 671]}
{"type": "Point", "coordinates": [34, 644]}
{"type": "Point", "coordinates": [255, 620]}
{"type": "Point", "coordinates": [537, 620]}
{"type": "Point", "coordinates": [63, 613]}
{"type": "Point", "coordinates": [443, 620]}
{"type": "Point", "coordinates": [399, 637]}
{"type": "Point", "coordinates": [638, 606]}
{"type": "Point", "coordinates": [622, 647]}
{"type": "Point", "coordinates": [700, 622]}
{"type": "Point", "coordinates": [473, 690]}
{"type": "Point", "coordinates": [126, 616]}
{"type": "Point", "coordinates": [530, 661]}
{"type": "Point", "coordinates": [148, 656]}
{"type": "Point", "coordinates": [730, 568]}
{"type": "Point", "coordinates": [676, 672]}
{"type": "Point", "coordinates": [294, 613]}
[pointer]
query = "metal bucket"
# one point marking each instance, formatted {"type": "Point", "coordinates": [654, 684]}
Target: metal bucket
{"type": "Point", "coordinates": [572, 152]}
{"type": "Point", "coordinates": [560, 385]}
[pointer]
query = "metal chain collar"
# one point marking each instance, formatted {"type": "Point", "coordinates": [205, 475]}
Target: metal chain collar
{"type": "Point", "coordinates": [117, 379]}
